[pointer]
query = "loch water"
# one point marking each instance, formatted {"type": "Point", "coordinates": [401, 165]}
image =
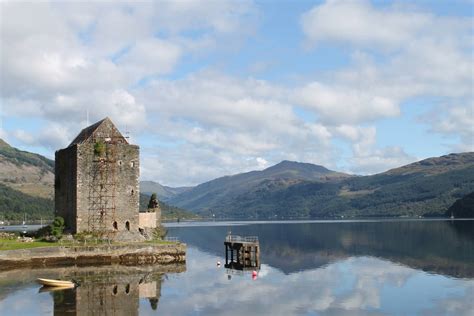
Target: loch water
{"type": "Point", "coordinates": [379, 267]}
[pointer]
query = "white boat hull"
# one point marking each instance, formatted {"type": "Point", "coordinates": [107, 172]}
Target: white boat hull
{"type": "Point", "coordinates": [57, 283]}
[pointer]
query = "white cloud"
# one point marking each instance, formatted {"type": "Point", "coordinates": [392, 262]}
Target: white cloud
{"type": "Point", "coordinates": [455, 120]}
{"type": "Point", "coordinates": [151, 57]}
{"type": "Point", "coordinates": [379, 159]}
{"type": "Point", "coordinates": [3, 134]}
{"type": "Point", "coordinates": [61, 59]}
{"type": "Point", "coordinates": [367, 157]}
{"type": "Point", "coordinates": [399, 53]}
{"type": "Point", "coordinates": [57, 47]}
{"type": "Point", "coordinates": [317, 291]}
{"type": "Point", "coordinates": [262, 162]}
{"type": "Point", "coordinates": [24, 137]}
{"type": "Point", "coordinates": [233, 123]}
{"type": "Point", "coordinates": [345, 104]}
{"type": "Point", "coordinates": [53, 137]}
{"type": "Point", "coordinates": [360, 23]}
{"type": "Point", "coordinates": [455, 305]}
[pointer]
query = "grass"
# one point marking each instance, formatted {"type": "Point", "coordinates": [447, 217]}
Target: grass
{"type": "Point", "coordinates": [13, 244]}
{"type": "Point", "coordinates": [161, 242]}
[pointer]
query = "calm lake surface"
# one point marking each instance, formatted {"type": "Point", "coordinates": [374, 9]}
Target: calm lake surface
{"type": "Point", "coordinates": [405, 267]}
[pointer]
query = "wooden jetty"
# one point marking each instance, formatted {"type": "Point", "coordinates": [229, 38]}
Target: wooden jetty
{"type": "Point", "coordinates": [242, 253]}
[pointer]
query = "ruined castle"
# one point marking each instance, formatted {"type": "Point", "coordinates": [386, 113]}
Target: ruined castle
{"type": "Point", "coordinates": [97, 183]}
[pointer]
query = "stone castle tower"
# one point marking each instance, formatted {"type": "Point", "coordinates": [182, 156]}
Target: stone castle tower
{"type": "Point", "coordinates": [97, 181]}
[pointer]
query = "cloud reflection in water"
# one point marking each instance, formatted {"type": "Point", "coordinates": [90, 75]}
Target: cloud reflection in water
{"type": "Point", "coordinates": [357, 285]}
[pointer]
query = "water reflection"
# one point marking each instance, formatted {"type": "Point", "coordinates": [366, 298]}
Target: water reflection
{"type": "Point", "coordinates": [242, 254]}
{"type": "Point", "coordinates": [350, 286]}
{"type": "Point", "coordinates": [115, 290]}
{"type": "Point", "coordinates": [442, 247]}
{"type": "Point", "coordinates": [309, 269]}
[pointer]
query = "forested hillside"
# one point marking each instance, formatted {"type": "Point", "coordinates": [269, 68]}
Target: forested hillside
{"type": "Point", "coordinates": [221, 194]}
{"type": "Point", "coordinates": [29, 173]}
{"type": "Point", "coordinates": [168, 212]}
{"type": "Point", "coordinates": [15, 204]}
{"type": "Point", "coordinates": [287, 190]}
{"type": "Point", "coordinates": [163, 192]}
{"type": "Point", "coordinates": [425, 188]}
{"type": "Point", "coordinates": [462, 208]}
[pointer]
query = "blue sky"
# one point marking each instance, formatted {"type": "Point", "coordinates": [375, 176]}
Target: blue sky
{"type": "Point", "coordinates": [210, 88]}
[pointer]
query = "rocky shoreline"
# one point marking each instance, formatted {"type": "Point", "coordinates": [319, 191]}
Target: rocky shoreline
{"type": "Point", "coordinates": [97, 255]}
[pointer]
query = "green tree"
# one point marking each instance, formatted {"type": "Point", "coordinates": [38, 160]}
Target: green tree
{"type": "Point", "coordinates": [57, 227]}
{"type": "Point", "coordinates": [153, 203]}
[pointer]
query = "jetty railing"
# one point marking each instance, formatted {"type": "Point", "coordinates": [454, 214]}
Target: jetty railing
{"type": "Point", "coordinates": [236, 238]}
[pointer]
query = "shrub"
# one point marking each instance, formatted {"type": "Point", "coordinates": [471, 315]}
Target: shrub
{"type": "Point", "coordinates": [43, 232]}
{"type": "Point", "coordinates": [57, 227]}
{"type": "Point", "coordinates": [159, 232]}
{"type": "Point", "coordinates": [153, 203]}
{"type": "Point", "coordinates": [99, 148]}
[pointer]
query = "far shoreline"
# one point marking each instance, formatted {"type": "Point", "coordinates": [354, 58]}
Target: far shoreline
{"type": "Point", "coordinates": [182, 223]}
{"type": "Point", "coordinates": [237, 222]}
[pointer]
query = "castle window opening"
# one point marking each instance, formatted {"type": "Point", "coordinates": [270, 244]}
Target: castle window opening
{"type": "Point", "coordinates": [115, 226]}
{"type": "Point", "coordinates": [127, 225]}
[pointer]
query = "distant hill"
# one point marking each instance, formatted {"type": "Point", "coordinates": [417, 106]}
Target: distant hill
{"type": "Point", "coordinates": [424, 188]}
{"type": "Point", "coordinates": [286, 190]}
{"type": "Point", "coordinates": [27, 187]}
{"type": "Point", "coordinates": [168, 212]}
{"type": "Point", "coordinates": [164, 193]}
{"type": "Point", "coordinates": [29, 173]}
{"type": "Point", "coordinates": [224, 192]}
{"type": "Point", "coordinates": [462, 208]}
{"type": "Point", "coordinates": [15, 204]}
{"type": "Point", "coordinates": [436, 165]}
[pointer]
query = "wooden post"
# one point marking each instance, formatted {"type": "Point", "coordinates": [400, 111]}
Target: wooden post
{"type": "Point", "coordinates": [226, 255]}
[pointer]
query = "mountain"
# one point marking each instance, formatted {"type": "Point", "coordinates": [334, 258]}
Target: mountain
{"type": "Point", "coordinates": [436, 165]}
{"type": "Point", "coordinates": [29, 173]}
{"type": "Point", "coordinates": [287, 190]}
{"type": "Point", "coordinates": [224, 192]}
{"type": "Point", "coordinates": [27, 187]}
{"type": "Point", "coordinates": [168, 212]}
{"type": "Point", "coordinates": [164, 193]}
{"type": "Point", "coordinates": [424, 188]}
{"type": "Point", "coordinates": [15, 204]}
{"type": "Point", "coordinates": [462, 208]}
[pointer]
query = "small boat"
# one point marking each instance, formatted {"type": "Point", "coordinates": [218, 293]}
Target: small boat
{"type": "Point", "coordinates": [45, 288]}
{"type": "Point", "coordinates": [57, 283]}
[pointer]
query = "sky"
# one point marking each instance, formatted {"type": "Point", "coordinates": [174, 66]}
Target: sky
{"type": "Point", "coordinates": [213, 88]}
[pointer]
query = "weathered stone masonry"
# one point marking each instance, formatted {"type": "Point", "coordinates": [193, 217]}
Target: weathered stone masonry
{"type": "Point", "coordinates": [97, 181]}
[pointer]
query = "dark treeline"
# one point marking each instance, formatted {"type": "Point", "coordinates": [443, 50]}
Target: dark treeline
{"type": "Point", "coordinates": [15, 204]}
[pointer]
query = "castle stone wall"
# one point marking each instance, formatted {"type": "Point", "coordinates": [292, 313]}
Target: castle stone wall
{"type": "Point", "coordinates": [147, 220]}
{"type": "Point", "coordinates": [65, 186]}
{"type": "Point", "coordinates": [98, 190]}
